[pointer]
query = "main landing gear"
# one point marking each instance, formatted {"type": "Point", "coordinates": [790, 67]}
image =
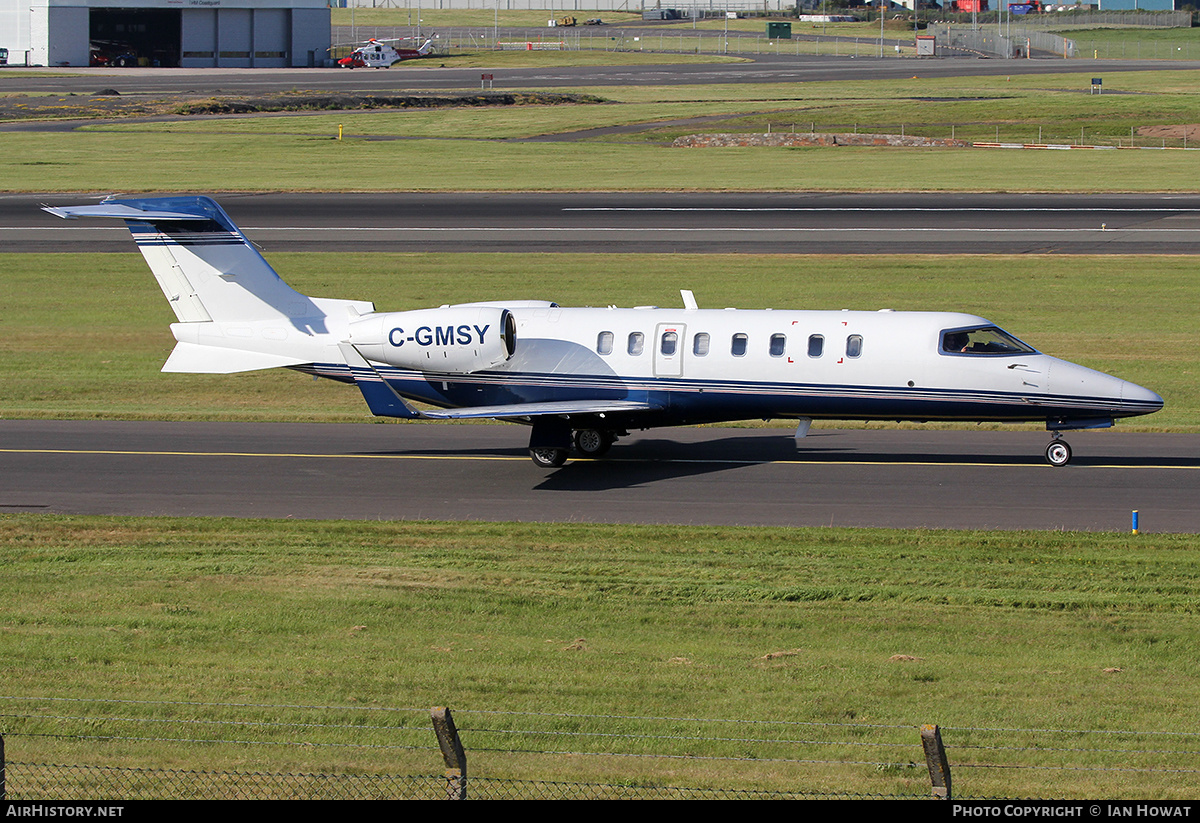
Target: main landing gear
{"type": "Point", "coordinates": [548, 457]}
{"type": "Point", "coordinates": [549, 449]}
{"type": "Point", "coordinates": [1058, 453]}
{"type": "Point", "coordinates": [594, 442]}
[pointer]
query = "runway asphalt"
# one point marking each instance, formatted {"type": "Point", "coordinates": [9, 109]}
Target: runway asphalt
{"type": "Point", "coordinates": [620, 223]}
{"type": "Point", "coordinates": [704, 476]}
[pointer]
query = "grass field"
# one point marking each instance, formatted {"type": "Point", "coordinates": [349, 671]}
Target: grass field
{"type": "Point", "coordinates": [992, 636]}
{"type": "Point", "coordinates": [474, 149]}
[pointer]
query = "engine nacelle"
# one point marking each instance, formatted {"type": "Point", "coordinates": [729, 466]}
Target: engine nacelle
{"type": "Point", "coordinates": [452, 339]}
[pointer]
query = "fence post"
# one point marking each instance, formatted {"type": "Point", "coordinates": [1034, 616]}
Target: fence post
{"type": "Point", "coordinates": [452, 753]}
{"type": "Point", "coordinates": [3, 777]}
{"type": "Point", "coordinates": [935, 758]}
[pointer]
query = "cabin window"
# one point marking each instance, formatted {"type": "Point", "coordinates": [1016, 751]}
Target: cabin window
{"type": "Point", "coordinates": [669, 342]}
{"type": "Point", "coordinates": [778, 343]}
{"type": "Point", "coordinates": [816, 345]}
{"type": "Point", "coordinates": [700, 344]}
{"type": "Point", "coordinates": [985, 340]}
{"type": "Point", "coordinates": [854, 345]}
{"type": "Point", "coordinates": [637, 342]}
{"type": "Point", "coordinates": [604, 343]}
{"type": "Point", "coordinates": [738, 347]}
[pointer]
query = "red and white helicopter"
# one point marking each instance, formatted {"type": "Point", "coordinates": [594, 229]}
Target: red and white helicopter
{"type": "Point", "coordinates": [377, 54]}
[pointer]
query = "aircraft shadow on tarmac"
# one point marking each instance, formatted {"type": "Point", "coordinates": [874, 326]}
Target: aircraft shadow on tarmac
{"type": "Point", "coordinates": [650, 460]}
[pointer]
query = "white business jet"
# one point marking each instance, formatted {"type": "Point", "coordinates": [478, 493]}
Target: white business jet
{"type": "Point", "coordinates": [585, 376]}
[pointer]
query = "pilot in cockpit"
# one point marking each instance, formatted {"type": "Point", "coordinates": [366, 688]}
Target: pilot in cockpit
{"type": "Point", "coordinates": [955, 342]}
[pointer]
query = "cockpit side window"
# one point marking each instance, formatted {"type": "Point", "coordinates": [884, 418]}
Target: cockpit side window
{"type": "Point", "coordinates": [982, 341]}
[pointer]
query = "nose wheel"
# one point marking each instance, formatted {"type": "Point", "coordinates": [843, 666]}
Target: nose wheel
{"type": "Point", "coordinates": [1058, 453]}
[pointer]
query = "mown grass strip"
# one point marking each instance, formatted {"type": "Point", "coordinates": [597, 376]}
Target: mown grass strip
{"type": "Point", "coordinates": [462, 149]}
{"type": "Point", "coordinates": [825, 626]}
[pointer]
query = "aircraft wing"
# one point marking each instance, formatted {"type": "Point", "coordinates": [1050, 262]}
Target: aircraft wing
{"type": "Point", "coordinates": [512, 410]}
{"type": "Point", "coordinates": [383, 400]}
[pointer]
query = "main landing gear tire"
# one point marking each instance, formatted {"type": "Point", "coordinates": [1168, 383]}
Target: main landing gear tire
{"type": "Point", "coordinates": [1058, 453]}
{"type": "Point", "coordinates": [593, 442]}
{"type": "Point", "coordinates": [549, 458]}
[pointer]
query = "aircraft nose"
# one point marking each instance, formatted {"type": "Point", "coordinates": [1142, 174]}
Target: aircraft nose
{"type": "Point", "coordinates": [1133, 393]}
{"type": "Point", "coordinates": [1104, 393]}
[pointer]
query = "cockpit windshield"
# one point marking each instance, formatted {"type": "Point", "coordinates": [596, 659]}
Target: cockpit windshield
{"type": "Point", "coordinates": [985, 340]}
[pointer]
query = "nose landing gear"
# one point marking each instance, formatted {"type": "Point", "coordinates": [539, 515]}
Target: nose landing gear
{"type": "Point", "coordinates": [1058, 453]}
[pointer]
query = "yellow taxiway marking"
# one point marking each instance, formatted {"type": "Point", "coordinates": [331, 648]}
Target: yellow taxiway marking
{"type": "Point", "coordinates": [727, 461]}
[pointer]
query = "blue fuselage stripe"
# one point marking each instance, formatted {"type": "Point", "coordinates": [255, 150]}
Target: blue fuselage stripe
{"type": "Point", "coordinates": [688, 400]}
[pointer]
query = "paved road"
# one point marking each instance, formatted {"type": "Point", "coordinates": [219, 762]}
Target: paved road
{"type": "Point", "coordinates": [428, 77]}
{"type": "Point", "coordinates": [797, 222]}
{"type": "Point", "coordinates": [907, 479]}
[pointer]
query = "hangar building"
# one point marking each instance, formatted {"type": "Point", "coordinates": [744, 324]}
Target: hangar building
{"type": "Point", "coordinates": [188, 33]}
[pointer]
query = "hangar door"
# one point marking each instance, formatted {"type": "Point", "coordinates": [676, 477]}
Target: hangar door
{"type": "Point", "coordinates": [134, 37]}
{"type": "Point", "coordinates": [237, 38]}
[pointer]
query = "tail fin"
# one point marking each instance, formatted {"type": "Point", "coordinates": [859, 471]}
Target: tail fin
{"type": "Point", "coordinates": [225, 295]}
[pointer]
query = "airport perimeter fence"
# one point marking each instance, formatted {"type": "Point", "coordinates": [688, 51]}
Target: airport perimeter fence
{"type": "Point", "coordinates": [1095, 19]}
{"type": "Point", "coordinates": [453, 41]}
{"type": "Point", "coordinates": [1001, 41]}
{"type": "Point", "coordinates": [108, 749]}
{"type": "Point", "coordinates": [1016, 38]}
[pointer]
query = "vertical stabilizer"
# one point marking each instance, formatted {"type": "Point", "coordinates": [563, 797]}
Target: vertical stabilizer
{"type": "Point", "coordinates": [234, 311]}
{"type": "Point", "coordinates": [205, 266]}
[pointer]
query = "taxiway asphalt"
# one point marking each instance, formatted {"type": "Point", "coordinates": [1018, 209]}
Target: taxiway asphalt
{"type": "Point", "coordinates": [427, 76]}
{"type": "Point", "coordinates": [859, 478]}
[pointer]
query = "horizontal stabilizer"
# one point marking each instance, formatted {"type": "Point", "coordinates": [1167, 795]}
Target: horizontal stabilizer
{"type": "Point", "coordinates": [123, 211]}
{"type": "Point", "coordinates": [196, 359]}
{"type": "Point", "coordinates": [538, 409]}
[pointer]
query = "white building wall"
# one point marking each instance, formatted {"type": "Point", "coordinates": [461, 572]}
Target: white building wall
{"type": "Point", "coordinates": [58, 35]}
{"type": "Point", "coordinates": [14, 30]}
{"type": "Point", "coordinates": [258, 32]}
